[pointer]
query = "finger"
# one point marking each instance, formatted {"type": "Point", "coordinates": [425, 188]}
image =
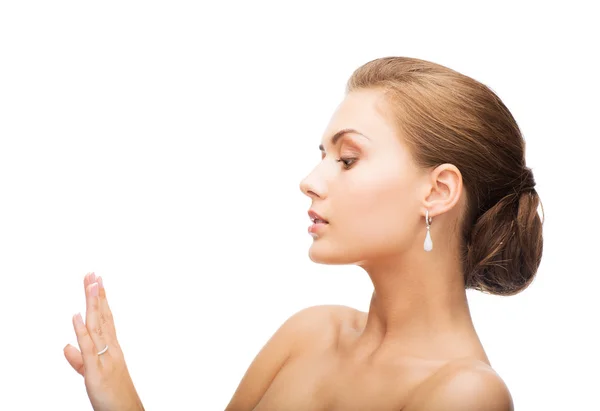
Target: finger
{"type": "Point", "coordinates": [86, 345]}
{"type": "Point", "coordinates": [74, 358]}
{"type": "Point", "coordinates": [92, 317]}
{"type": "Point", "coordinates": [106, 316]}
{"type": "Point", "coordinates": [89, 278]}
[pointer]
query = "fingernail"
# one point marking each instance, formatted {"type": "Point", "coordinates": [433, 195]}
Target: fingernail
{"type": "Point", "coordinates": [100, 282]}
{"type": "Point", "coordinates": [94, 290]}
{"type": "Point", "coordinates": [78, 319]}
{"type": "Point", "coordinates": [92, 277]}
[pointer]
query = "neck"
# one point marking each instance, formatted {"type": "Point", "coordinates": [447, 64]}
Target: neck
{"type": "Point", "coordinates": [419, 306]}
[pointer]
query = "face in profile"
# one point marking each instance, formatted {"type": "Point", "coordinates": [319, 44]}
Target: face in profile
{"type": "Point", "coordinates": [366, 186]}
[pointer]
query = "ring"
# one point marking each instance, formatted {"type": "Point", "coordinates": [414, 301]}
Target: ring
{"type": "Point", "coordinates": [104, 350]}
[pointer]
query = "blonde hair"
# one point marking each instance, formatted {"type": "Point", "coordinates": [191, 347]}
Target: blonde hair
{"type": "Point", "coordinates": [447, 117]}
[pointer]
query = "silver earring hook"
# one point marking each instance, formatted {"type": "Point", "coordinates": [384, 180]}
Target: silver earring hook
{"type": "Point", "coordinates": [427, 218]}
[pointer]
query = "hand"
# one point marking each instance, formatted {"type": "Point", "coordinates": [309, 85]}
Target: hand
{"type": "Point", "coordinates": [106, 377]}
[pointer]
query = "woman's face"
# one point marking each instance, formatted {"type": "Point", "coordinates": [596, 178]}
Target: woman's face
{"type": "Point", "coordinates": [373, 201]}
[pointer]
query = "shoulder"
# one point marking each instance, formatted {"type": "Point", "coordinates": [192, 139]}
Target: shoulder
{"type": "Point", "coordinates": [465, 385]}
{"type": "Point", "coordinates": [322, 313]}
{"type": "Point", "coordinates": [316, 325]}
{"type": "Point", "coordinates": [308, 329]}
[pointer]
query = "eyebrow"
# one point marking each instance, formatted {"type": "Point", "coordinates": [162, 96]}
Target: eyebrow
{"type": "Point", "coordinates": [340, 134]}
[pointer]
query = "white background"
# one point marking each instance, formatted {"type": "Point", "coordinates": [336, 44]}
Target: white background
{"type": "Point", "coordinates": [161, 144]}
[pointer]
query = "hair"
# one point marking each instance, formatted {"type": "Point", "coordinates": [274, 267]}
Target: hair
{"type": "Point", "coordinates": [447, 117]}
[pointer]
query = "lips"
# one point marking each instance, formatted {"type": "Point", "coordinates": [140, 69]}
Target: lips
{"type": "Point", "coordinates": [316, 218]}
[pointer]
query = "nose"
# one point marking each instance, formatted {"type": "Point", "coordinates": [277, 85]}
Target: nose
{"type": "Point", "coordinates": [307, 186]}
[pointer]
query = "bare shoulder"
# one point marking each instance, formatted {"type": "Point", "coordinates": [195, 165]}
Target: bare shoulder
{"type": "Point", "coordinates": [466, 385]}
{"type": "Point", "coordinates": [309, 328]}
{"type": "Point", "coordinates": [318, 325]}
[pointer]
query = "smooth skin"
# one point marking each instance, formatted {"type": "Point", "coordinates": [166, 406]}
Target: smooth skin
{"type": "Point", "coordinates": [416, 349]}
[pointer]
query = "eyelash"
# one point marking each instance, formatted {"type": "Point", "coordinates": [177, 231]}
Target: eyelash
{"type": "Point", "coordinates": [345, 160]}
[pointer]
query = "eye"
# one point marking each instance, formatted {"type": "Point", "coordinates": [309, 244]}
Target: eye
{"type": "Point", "coordinates": [347, 162]}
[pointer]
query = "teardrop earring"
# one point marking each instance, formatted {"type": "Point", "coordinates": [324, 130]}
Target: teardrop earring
{"type": "Point", "coordinates": [428, 245]}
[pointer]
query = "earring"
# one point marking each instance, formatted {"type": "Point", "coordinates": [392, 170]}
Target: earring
{"type": "Point", "coordinates": [428, 245]}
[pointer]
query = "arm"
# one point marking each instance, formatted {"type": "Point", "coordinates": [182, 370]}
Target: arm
{"type": "Point", "coordinates": [287, 341]}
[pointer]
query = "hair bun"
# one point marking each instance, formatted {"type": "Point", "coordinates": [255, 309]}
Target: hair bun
{"type": "Point", "coordinates": [505, 248]}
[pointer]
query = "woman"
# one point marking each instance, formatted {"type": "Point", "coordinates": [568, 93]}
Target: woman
{"type": "Point", "coordinates": [423, 184]}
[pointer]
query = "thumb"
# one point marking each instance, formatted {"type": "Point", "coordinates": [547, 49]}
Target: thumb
{"type": "Point", "coordinates": [74, 358]}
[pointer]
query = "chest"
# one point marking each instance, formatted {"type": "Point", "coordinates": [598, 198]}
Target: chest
{"type": "Point", "coordinates": [323, 383]}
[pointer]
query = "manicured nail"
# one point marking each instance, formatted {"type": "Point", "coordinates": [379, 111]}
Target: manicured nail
{"type": "Point", "coordinates": [92, 277]}
{"type": "Point", "coordinates": [100, 282]}
{"type": "Point", "coordinates": [78, 319]}
{"type": "Point", "coordinates": [94, 290]}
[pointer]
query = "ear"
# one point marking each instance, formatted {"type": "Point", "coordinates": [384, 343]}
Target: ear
{"type": "Point", "coordinates": [445, 190]}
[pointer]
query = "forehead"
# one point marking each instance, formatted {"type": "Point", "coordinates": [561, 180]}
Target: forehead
{"type": "Point", "coordinates": [364, 111]}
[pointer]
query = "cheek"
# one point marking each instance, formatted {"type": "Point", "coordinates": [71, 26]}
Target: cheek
{"type": "Point", "coordinates": [372, 218]}
{"type": "Point", "coordinates": [379, 208]}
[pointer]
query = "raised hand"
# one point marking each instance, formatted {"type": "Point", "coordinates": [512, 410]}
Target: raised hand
{"type": "Point", "coordinates": [101, 361]}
